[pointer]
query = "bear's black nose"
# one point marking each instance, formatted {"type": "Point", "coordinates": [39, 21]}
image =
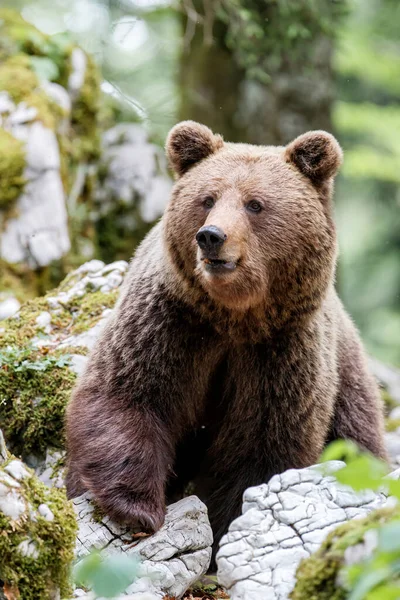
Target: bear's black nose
{"type": "Point", "coordinates": [210, 238]}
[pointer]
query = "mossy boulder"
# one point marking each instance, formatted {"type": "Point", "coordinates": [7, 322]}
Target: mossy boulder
{"type": "Point", "coordinates": [322, 575]}
{"type": "Point", "coordinates": [38, 530]}
{"type": "Point", "coordinates": [30, 58]}
{"type": "Point", "coordinates": [49, 132]}
{"type": "Point", "coordinates": [42, 350]}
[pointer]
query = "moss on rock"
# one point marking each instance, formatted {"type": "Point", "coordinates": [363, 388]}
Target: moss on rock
{"type": "Point", "coordinates": [37, 350]}
{"type": "Point", "coordinates": [12, 164]}
{"type": "Point", "coordinates": [388, 402]}
{"type": "Point", "coordinates": [392, 424]}
{"type": "Point", "coordinates": [317, 577]}
{"type": "Point", "coordinates": [34, 391]}
{"type": "Point", "coordinates": [29, 61]}
{"type": "Point", "coordinates": [85, 115]}
{"type": "Point", "coordinates": [36, 545]}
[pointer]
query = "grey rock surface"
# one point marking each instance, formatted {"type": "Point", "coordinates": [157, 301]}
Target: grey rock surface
{"type": "Point", "coordinates": [171, 560]}
{"type": "Point", "coordinates": [3, 449]}
{"type": "Point", "coordinates": [283, 522]}
{"type": "Point", "coordinates": [38, 232]}
{"type": "Point", "coordinates": [136, 174]}
{"type": "Point", "coordinates": [8, 306]}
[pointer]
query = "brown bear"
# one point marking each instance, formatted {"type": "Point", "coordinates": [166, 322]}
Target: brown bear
{"type": "Point", "coordinates": [229, 356]}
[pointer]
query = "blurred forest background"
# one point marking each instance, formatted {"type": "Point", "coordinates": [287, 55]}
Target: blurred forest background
{"type": "Point", "coordinates": [264, 71]}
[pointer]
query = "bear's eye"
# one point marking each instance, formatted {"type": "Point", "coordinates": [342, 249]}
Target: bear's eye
{"type": "Point", "coordinates": [208, 202]}
{"type": "Point", "coordinates": [254, 206]}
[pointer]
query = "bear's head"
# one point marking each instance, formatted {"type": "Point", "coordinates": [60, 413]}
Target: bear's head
{"type": "Point", "coordinates": [251, 225]}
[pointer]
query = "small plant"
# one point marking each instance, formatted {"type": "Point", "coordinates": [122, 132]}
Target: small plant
{"type": "Point", "coordinates": [20, 360]}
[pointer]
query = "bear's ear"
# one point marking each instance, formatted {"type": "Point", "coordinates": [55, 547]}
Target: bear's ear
{"type": "Point", "coordinates": [188, 143]}
{"type": "Point", "coordinates": [316, 154]}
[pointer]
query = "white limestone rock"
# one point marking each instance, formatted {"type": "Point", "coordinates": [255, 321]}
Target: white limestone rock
{"type": "Point", "coordinates": [171, 560]}
{"type": "Point", "coordinates": [283, 522]}
{"type": "Point", "coordinates": [3, 449]}
{"type": "Point", "coordinates": [38, 234]}
{"type": "Point", "coordinates": [78, 70]}
{"type": "Point", "coordinates": [50, 470]}
{"type": "Point", "coordinates": [136, 174]}
{"type": "Point", "coordinates": [17, 470]}
{"type": "Point", "coordinates": [8, 307]}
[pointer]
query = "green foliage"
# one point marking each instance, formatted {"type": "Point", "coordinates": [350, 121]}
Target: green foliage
{"type": "Point", "coordinates": [366, 120]}
{"type": "Point", "coordinates": [323, 576]}
{"type": "Point", "coordinates": [375, 149]}
{"type": "Point", "coordinates": [106, 576]}
{"type": "Point", "coordinates": [19, 360]}
{"type": "Point", "coordinates": [264, 34]}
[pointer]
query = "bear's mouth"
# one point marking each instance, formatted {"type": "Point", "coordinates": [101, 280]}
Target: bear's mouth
{"type": "Point", "coordinates": [215, 265]}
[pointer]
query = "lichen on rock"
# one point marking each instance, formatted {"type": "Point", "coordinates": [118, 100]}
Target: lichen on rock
{"type": "Point", "coordinates": [38, 529]}
{"type": "Point", "coordinates": [43, 348]}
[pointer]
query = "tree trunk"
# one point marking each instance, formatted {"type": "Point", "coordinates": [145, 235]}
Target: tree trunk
{"type": "Point", "coordinates": [217, 92]}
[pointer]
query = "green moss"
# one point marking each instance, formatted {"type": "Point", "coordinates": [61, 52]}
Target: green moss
{"type": "Point", "coordinates": [12, 164]}
{"type": "Point", "coordinates": [18, 78]}
{"type": "Point", "coordinates": [98, 513]}
{"type": "Point", "coordinates": [75, 316]}
{"type": "Point", "coordinates": [17, 279]}
{"type": "Point", "coordinates": [36, 383]}
{"type": "Point", "coordinates": [85, 116]}
{"type": "Point", "coordinates": [20, 329]}
{"type": "Point", "coordinates": [388, 401]}
{"type": "Point", "coordinates": [392, 424]}
{"type": "Point", "coordinates": [90, 308]}
{"type": "Point", "coordinates": [24, 34]}
{"type": "Point", "coordinates": [317, 575]}
{"type": "Point", "coordinates": [34, 392]}
{"type": "Point", "coordinates": [34, 578]}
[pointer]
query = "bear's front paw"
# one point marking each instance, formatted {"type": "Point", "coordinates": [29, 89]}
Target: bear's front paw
{"type": "Point", "coordinates": [134, 509]}
{"type": "Point", "coordinates": [148, 518]}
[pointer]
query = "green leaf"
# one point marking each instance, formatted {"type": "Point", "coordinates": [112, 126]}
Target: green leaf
{"type": "Point", "coordinates": [85, 568]}
{"type": "Point", "coordinates": [363, 472]}
{"type": "Point", "coordinates": [389, 537]}
{"type": "Point", "coordinates": [45, 68]}
{"type": "Point", "coordinates": [107, 576]}
{"type": "Point", "coordinates": [367, 582]}
{"type": "Point", "coordinates": [340, 450]}
{"type": "Point", "coordinates": [384, 592]}
{"type": "Point", "coordinates": [393, 486]}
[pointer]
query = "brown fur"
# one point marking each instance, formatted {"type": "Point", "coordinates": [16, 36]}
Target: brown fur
{"type": "Point", "coordinates": [227, 379]}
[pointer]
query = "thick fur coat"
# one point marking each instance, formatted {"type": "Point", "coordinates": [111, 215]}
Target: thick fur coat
{"type": "Point", "coordinates": [224, 365]}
